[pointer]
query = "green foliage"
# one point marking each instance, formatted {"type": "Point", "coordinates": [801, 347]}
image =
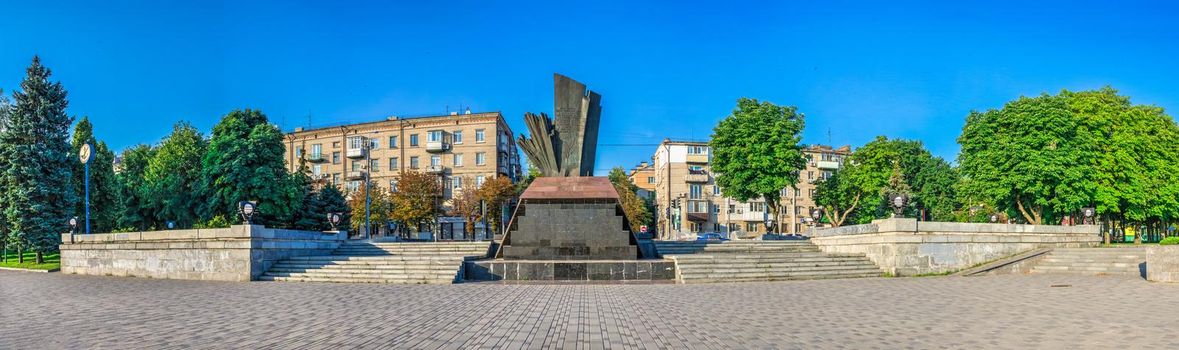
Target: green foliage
{"type": "Point", "coordinates": [856, 192]}
{"type": "Point", "coordinates": [328, 199]}
{"type": "Point", "coordinates": [36, 174]}
{"type": "Point", "coordinates": [1046, 157]}
{"type": "Point", "coordinates": [380, 206]}
{"type": "Point", "coordinates": [51, 261]}
{"type": "Point", "coordinates": [219, 221]}
{"type": "Point", "coordinates": [416, 198]}
{"type": "Point", "coordinates": [172, 190]}
{"type": "Point", "coordinates": [136, 215]}
{"type": "Point", "coordinates": [635, 208]}
{"type": "Point", "coordinates": [756, 151]}
{"type": "Point", "coordinates": [105, 190]}
{"type": "Point", "coordinates": [244, 161]}
{"type": "Point", "coordinates": [1169, 241]}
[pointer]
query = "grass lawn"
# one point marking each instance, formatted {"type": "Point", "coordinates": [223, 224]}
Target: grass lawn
{"type": "Point", "coordinates": [52, 261]}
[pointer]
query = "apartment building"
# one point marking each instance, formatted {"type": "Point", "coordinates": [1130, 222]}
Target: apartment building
{"type": "Point", "coordinates": [644, 177]}
{"type": "Point", "coordinates": [688, 201]}
{"type": "Point", "coordinates": [463, 150]}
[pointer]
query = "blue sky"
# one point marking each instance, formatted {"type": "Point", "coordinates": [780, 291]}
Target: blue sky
{"type": "Point", "coordinates": [665, 69]}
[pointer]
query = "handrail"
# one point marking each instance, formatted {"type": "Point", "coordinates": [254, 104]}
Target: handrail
{"type": "Point", "coordinates": [499, 251]}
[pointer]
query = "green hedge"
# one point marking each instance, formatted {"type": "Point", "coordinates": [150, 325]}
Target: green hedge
{"type": "Point", "coordinates": [1169, 241]}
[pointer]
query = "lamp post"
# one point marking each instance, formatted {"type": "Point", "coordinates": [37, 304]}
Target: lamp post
{"type": "Point", "coordinates": [85, 155]}
{"type": "Point", "coordinates": [994, 218]}
{"type": "Point", "coordinates": [817, 215]}
{"type": "Point", "coordinates": [898, 202]}
{"type": "Point", "coordinates": [333, 219]}
{"type": "Point", "coordinates": [246, 209]}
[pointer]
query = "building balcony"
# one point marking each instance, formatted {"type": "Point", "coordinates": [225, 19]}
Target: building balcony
{"type": "Point", "coordinates": [355, 175]}
{"type": "Point", "coordinates": [437, 146]}
{"type": "Point", "coordinates": [435, 169]}
{"type": "Point", "coordinates": [827, 165]}
{"type": "Point", "coordinates": [316, 158]}
{"type": "Point", "coordinates": [696, 177]}
{"type": "Point", "coordinates": [759, 216]}
{"type": "Point", "coordinates": [356, 153]}
{"type": "Point", "coordinates": [697, 158]}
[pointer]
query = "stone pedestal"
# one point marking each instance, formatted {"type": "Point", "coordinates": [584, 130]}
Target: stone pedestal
{"type": "Point", "coordinates": [1162, 263]}
{"type": "Point", "coordinates": [570, 218]}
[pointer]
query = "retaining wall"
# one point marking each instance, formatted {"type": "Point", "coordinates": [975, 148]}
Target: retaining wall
{"type": "Point", "coordinates": [238, 253]}
{"type": "Point", "coordinates": [907, 247]}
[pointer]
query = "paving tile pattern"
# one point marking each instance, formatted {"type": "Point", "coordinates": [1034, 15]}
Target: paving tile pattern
{"type": "Point", "coordinates": [994, 312]}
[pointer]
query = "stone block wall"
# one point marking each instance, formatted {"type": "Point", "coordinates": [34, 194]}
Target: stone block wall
{"type": "Point", "coordinates": [238, 253]}
{"type": "Point", "coordinates": [906, 247]}
{"type": "Point", "coordinates": [1162, 263]}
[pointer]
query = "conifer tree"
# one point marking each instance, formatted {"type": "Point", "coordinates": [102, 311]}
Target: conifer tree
{"type": "Point", "coordinates": [38, 164]}
{"type": "Point", "coordinates": [244, 161]}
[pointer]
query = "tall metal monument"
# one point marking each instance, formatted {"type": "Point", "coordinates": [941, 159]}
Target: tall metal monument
{"type": "Point", "coordinates": [566, 146]}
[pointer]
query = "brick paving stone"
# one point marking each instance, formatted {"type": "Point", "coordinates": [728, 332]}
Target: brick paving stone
{"type": "Point", "coordinates": [1099, 312]}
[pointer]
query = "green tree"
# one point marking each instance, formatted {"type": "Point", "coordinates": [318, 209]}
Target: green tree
{"type": "Point", "coordinates": [855, 192]}
{"type": "Point", "coordinates": [380, 206]}
{"type": "Point", "coordinates": [415, 200]}
{"type": "Point", "coordinates": [757, 152]}
{"type": "Point", "coordinates": [137, 214]}
{"type": "Point", "coordinates": [4, 105]}
{"type": "Point", "coordinates": [172, 189]}
{"type": "Point", "coordinates": [498, 193]}
{"type": "Point", "coordinates": [328, 199]}
{"type": "Point", "coordinates": [36, 176]}
{"type": "Point", "coordinates": [308, 213]}
{"type": "Point", "coordinates": [105, 204]}
{"type": "Point", "coordinates": [244, 161]}
{"type": "Point", "coordinates": [634, 207]}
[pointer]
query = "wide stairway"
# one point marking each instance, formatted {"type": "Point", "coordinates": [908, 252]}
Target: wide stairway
{"type": "Point", "coordinates": [362, 262]}
{"type": "Point", "coordinates": [747, 261]}
{"type": "Point", "coordinates": [1093, 261]}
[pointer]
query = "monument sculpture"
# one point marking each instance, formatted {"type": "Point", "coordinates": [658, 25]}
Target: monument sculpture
{"type": "Point", "coordinates": [566, 147]}
{"type": "Point", "coordinates": [569, 225]}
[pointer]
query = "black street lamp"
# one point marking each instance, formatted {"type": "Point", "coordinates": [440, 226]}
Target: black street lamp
{"type": "Point", "coordinates": [334, 219]}
{"type": "Point", "coordinates": [994, 218]}
{"type": "Point", "coordinates": [1089, 213]}
{"type": "Point", "coordinates": [73, 224]}
{"type": "Point", "coordinates": [817, 215]}
{"type": "Point", "coordinates": [898, 202]}
{"type": "Point", "coordinates": [246, 209]}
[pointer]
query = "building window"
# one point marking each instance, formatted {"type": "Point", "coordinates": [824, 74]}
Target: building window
{"type": "Point", "coordinates": [456, 182]}
{"type": "Point", "coordinates": [298, 151]}
{"type": "Point", "coordinates": [697, 149]}
{"type": "Point", "coordinates": [479, 137]}
{"type": "Point", "coordinates": [715, 209]}
{"type": "Point", "coordinates": [458, 159]}
{"type": "Point", "coordinates": [435, 160]}
{"type": "Point", "coordinates": [392, 141]}
{"type": "Point", "coordinates": [695, 192]}
{"type": "Point", "coordinates": [734, 227]}
{"type": "Point", "coordinates": [757, 207]}
{"type": "Point", "coordinates": [413, 140]}
{"type": "Point", "coordinates": [810, 175]}
{"type": "Point", "coordinates": [716, 190]}
{"type": "Point", "coordinates": [393, 185]}
{"type": "Point", "coordinates": [374, 143]}
{"type": "Point", "coordinates": [434, 136]}
{"type": "Point", "coordinates": [458, 137]}
{"type": "Point", "coordinates": [355, 142]}
{"type": "Point", "coordinates": [650, 179]}
{"type": "Point", "coordinates": [812, 193]}
{"type": "Point", "coordinates": [335, 157]}
{"type": "Point", "coordinates": [356, 165]}
{"type": "Point", "coordinates": [751, 227]}
{"type": "Point", "coordinates": [480, 158]}
{"type": "Point", "coordinates": [316, 151]}
{"type": "Point", "coordinates": [413, 162]}
{"type": "Point", "coordinates": [374, 165]}
{"type": "Point", "coordinates": [336, 144]}
{"type": "Point", "coordinates": [479, 180]}
{"type": "Point", "coordinates": [335, 178]}
{"type": "Point", "coordinates": [316, 170]}
{"type": "Point", "coordinates": [393, 164]}
{"type": "Point", "coordinates": [353, 186]}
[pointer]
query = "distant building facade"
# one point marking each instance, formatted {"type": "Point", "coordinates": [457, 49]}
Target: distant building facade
{"type": "Point", "coordinates": [463, 150]}
{"type": "Point", "coordinates": [688, 201]}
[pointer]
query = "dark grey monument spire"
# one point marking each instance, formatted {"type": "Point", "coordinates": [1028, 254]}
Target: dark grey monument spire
{"type": "Point", "coordinates": [566, 146]}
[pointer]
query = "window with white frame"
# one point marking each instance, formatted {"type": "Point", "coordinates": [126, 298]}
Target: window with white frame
{"type": "Point", "coordinates": [413, 162]}
{"type": "Point", "coordinates": [434, 136]}
{"type": "Point", "coordinates": [435, 160]}
{"type": "Point", "coordinates": [374, 144]}
{"type": "Point", "coordinates": [458, 137]}
{"type": "Point", "coordinates": [479, 136]}
{"type": "Point", "coordinates": [316, 150]}
{"type": "Point", "coordinates": [480, 158]}
{"type": "Point", "coordinates": [374, 165]}
{"type": "Point", "coordinates": [458, 159]}
{"type": "Point", "coordinates": [695, 192]}
{"type": "Point", "coordinates": [479, 180]}
{"type": "Point", "coordinates": [316, 170]}
{"type": "Point", "coordinates": [456, 182]}
{"type": "Point", "coordinates": [392, 163]}
{"type": "Point", "coordinates": [413, 140]}
{"type": "Point", "coordinates": [392, 141]}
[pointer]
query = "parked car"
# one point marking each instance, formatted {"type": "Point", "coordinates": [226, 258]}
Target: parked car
{"type": "Point", "coordinates": [710, 237]}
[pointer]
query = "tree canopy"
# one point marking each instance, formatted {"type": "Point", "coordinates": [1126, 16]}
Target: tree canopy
{"type": "Point", "coordinates": [172, 188]}
{"type": "Point", "coordinates": [756, 151]}
{"type": "Point", "coordinates": [244, 161]}
{"type": "Point", "coordinates": [634, 207]}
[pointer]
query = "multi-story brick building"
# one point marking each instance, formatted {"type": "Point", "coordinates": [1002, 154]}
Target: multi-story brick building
{"type": "Point", "coordinates": [688, 201]}
{"type": "Point", "coordinates": [463, 150]}
{"type": "Point", "coordinates": [643, 176]}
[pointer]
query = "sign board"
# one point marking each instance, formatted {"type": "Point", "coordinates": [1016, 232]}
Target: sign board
{"type": "Point", "coordinates": [643, 229]}
{"type": "Point", "coordinates": [85, 154]}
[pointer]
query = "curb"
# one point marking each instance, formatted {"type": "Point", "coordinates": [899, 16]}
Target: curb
{"type": "Point", "coordinates": [29, 270]}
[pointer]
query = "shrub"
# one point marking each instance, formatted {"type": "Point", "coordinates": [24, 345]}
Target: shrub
{"type": "Point", "coordinates": [218, 221]}
{"type": "Point", "coordinates": [1169, 241]}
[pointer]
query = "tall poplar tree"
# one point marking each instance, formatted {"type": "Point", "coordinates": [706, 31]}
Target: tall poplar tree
{"type": "Point", "coordinates": [36, 176]}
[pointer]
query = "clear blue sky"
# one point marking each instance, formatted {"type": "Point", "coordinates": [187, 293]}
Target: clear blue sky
{"type": "Point", "coordinates": [670, 69]}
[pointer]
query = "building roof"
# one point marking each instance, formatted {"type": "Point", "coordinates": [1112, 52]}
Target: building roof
{"type": "Point", "coordinates": [399, 119]}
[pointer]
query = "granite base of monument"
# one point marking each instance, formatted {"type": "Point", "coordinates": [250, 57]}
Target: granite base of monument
{"type": "Point", "coordinates": [570, 229]}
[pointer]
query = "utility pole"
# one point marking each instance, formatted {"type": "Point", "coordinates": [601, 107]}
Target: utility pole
{"type": "Point", "coordinates": [368, 201]}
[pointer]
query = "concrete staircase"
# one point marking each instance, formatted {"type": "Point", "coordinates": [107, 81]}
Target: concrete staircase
{"type": "Point", "coordinates": [748, 261]}
{"type": "Point", "coordinates": [361, 262]}
{"type": "Point", "coordinates": [1093, 261]}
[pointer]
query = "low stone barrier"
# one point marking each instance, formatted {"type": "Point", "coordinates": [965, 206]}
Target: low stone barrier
{"type": "Point", "coordinates": [1162, 263]}
{"type": "Point", "coordinates": [237, 253]}
{"type": "Point", "coordinates": [907, 247]}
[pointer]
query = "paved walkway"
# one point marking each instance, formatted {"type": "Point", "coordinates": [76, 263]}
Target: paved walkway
{"type": "Point", "coordinates": [69, 311]}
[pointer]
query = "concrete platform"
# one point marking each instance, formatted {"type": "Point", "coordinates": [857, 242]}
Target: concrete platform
{"type": "Point", "coordinates": [601, 271]}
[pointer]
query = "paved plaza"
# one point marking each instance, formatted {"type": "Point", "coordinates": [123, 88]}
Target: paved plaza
{"type": "Point", "coordinates": [69, 311]}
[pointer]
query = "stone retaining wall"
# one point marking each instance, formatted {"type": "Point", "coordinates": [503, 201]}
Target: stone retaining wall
{"type": "Point", "coordinates": [238, 253]}
{"type": "Point", "coordinates": [907, 247]}
{"type": "Point", "coordinates": [1162, 263]}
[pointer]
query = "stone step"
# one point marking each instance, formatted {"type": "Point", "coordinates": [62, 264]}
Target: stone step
{"type": "Point", "coordinates": [737, 257]}
{"type": "Point", "coordinates": [364, 266]}
{"type": "Point", "coordinates": [783, 277]}
{"type": "Point", "coordinates": [375, 275]}
{"type": "Point", "coordinates": [787, 262]}
{"type": "Point", "coordinates": [1085, 268]}
{"type": "Point", "coordinates": [1060, 261]}
{"type": "Point", "coordinates": [718, 267]}
{"type": "Point", "coordinates": [357, 280]}
{"type": "Point", "coordinates": [389, 258]}
{"type": "Point", "coordinates": [408, 271]}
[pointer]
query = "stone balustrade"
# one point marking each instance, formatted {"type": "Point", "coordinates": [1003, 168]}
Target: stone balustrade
{"type": "Point", "coordinates": [237, 253]}
{"type": "Point", "coordinates": [906, 247]}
